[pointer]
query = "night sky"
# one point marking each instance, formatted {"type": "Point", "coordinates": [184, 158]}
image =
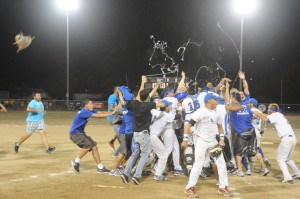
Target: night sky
{"type": "Point", "coordinates": [111, 38]}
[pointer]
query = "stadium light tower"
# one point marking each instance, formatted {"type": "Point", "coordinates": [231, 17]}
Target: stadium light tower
{"type": "Point", "coordinates": [67, 6]}
{"type": "Point", "coordinates": [243, 7]}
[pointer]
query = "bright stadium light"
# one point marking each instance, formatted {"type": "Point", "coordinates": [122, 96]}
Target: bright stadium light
{"type": "Point", "coordinates": [67, 5]}
{"type": "Point", "coordinates": [245, 6]}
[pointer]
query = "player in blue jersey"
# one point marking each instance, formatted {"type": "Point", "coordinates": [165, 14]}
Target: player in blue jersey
{"type": "Point", "coordinates": [242, 129]}
{"type": "Point", "coordinates": [35, 121]}
{"type": "Point", "coordinates": [79, 137]}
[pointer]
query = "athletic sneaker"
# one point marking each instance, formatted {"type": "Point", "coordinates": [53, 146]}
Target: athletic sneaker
{"type": "Point", "coordinates": [159, 178]}
{"type": "Point", "coordinates": [114, 173]}
{"type": "Point", "coordinates": [137, 181]}
{"type": "Point", "coordinates": [16, 147]}
{"type": "Point", "coordinates": [191, 192]}
{"type": "Point", "coordinates": [125, 178]}
{"type": "Point", "coordinates": [75, 166]}
{"type": "Point", "coordinates": [248, 172]}
{"type": "Point", "coordinates": [50, 150]}
{"type": "Point", "coordinates": [267, 163]}
{"type": "Point", "coordinates": [111, 144]}
{"type": "Point", "coordinates": [264, 172]}
{"type": "Point", "coordinates": [120, 169]}
{"type": "Point", "coordinates": [288, 181]}
{"type": "Point", "coordinates": [103, 170]}
{"type": "Point", "coordinates": [238, 173]}
{"type": "Point", "coordinates": [296, 177]}
{"type": "Point", "coordinates": [178, 172]}
{"type": "Point", "coordinates": [225, 192]}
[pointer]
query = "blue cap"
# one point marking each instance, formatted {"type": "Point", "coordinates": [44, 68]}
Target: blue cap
{"type": "Point", "coordinates": [252, 101]}
{"type": "Point", "coordinates": [209, 96]}
{"type": "Point", "coordinates": [167, 92]}
{"type": "Point", "coordinates": [180, 96]}
{"type": "Point", "coordinates": [167, 103]}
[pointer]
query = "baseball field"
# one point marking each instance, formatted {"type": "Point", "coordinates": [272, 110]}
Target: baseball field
{"type": "Point", "coordinates": [33, 174]}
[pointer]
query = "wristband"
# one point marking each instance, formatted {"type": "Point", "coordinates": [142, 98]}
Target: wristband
{"type": "Point", "coordinates": [185, 136]}
{"type": "Point", "coordinates": [180, 108]}
{"type": "Point", "coordinates": [222, 136]}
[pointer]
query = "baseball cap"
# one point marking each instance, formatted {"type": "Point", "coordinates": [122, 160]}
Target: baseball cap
{"type": "Point", "coordinates": [167, 103]}
{"type": "Point", "coordinates": [209, 96]}
{"type": "Point", "coordinates": [252, 101]}
{"type": "Point", "coordinates": [180, 96]}
{"type": "Point", "coordinates": [165, 93]}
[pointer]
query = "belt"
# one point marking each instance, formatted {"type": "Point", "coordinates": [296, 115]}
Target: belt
{"type": "Point", "coordinates": [287, 136]}
{"type": "Point", "coordinates": [144, 131]}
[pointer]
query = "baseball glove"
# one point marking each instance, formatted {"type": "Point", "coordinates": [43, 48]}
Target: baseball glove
{"type": "Point", "coordinates": [215, 151]}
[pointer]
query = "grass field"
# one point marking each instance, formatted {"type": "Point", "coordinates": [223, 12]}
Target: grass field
{"type": "Point", "coordinates": [33, 174]}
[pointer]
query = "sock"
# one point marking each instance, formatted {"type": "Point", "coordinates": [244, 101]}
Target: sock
{"type": "Point", "coordinates": [77, 160]}
{"type": "Point", "coordinates": [100, 166]}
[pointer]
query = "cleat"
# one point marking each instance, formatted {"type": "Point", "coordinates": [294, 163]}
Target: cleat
{"type": "Point", "coordinates": [191, 192]}
{"type": "Point", "coordinates": [225, 192]}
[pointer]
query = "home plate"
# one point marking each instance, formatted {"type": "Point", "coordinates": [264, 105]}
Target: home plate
{"type": "Point", "coordinates": [267, 143]}
{"type": "Point", "coordinates": [104, 186]}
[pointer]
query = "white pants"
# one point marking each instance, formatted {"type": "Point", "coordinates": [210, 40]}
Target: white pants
{"type": "Point", "coordinates": [229, 136]}
{"type": "Point", "coordinates": [172, 145]}
{"type": "Point", "coordinates": [201, 151]}
{"type": "Point", "coordinates": [284, 156]}
{"type": "Point", "coordinates": [159, 149]}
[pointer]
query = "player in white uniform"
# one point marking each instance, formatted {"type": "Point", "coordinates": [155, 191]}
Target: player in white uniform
{"type": "Point", "coordinates": [208, 125]}
{"type": "Point", "coordinates": [258, 126]}
{"type": "Point", "coordinates": [287, 144]}
{"type": "Point", "coordinates": [189, 105]}
{"type": "Point", "coordinates": [159, 121]}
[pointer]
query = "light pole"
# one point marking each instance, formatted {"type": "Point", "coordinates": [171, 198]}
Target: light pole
{"type": "Point", "coordinates": [67, 6]}
{"type": "Point", "coordinates": [243, 7]}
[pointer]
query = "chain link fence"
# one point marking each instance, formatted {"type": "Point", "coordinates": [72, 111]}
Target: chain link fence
{"type": "Point", "coordinates": [20, 104]}
{"type": "Point", "coordinates": [60, 105]}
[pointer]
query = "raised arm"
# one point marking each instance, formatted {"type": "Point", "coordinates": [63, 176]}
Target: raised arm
{"type": "Point", "coordinates": [144, 80]}
{"type": "Point", "coordinates": [159, 82]}
{"type": "Point", "coordinates": [245, 84]}
{"type": "Point", "coordinates": [227, 97]}
{"type": "Point", "coordinates": [221, 83]}
{"type": "Point", "coordinates": [181, 83]}
{"type": "Point", "coordinates": [122, 101]}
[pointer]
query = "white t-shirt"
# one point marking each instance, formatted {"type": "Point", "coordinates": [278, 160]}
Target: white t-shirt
{"type": "Point", "coordinates": [206, 123]}
{"type": "Point", "coordinates": [281, 124]}
{"type": "Point", "coordinates": [221, 110]}
{"type": "Point", "coordinates": [257, 121]}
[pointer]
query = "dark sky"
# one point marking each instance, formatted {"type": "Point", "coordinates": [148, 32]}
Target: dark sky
{"type": "Point", "coordinates": [111, 38]}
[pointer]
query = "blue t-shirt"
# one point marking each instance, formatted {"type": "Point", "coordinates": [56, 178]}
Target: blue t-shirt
{"type": "Point", "coordinates": [241, 120]}
{"type": "Point", "coordinates": [111, 100]}
{"type": "Point", "coordinates": [80, 120]}
{"type": "Point", "coordinates": [35, 116]}
{"type": "Point", "coordinates": [128, 121]}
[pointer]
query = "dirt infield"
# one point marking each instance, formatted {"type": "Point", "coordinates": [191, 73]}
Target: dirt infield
{"type": "Point", "coordinates": [33, 174]}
